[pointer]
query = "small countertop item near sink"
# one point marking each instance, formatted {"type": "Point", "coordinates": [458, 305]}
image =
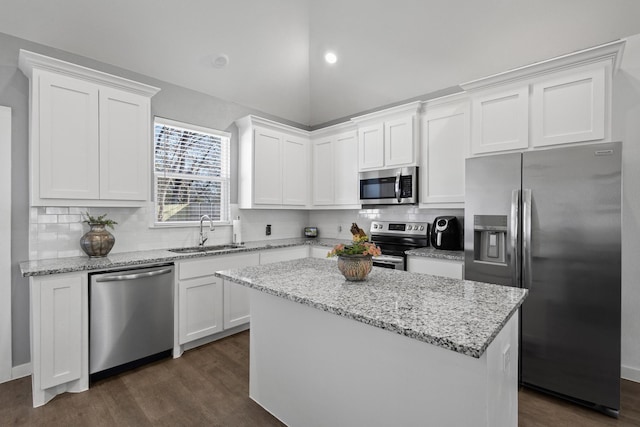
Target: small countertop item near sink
{"type": "Point", "coordinates": [459, 315]}
{"type": "Point", "coordinates": [437, 254]}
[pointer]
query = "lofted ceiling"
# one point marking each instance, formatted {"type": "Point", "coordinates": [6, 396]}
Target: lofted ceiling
{"type": "Point", "coordinates": [388, 51]}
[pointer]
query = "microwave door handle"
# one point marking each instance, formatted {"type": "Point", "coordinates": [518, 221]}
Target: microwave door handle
{"type": "Point", "coordinates": [398, 194]}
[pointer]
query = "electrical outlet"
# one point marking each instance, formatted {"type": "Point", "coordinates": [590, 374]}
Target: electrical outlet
{"type": "Point", "coordinates": [267, 231]}
{"type": "Point", "coordinates": [506, 358]}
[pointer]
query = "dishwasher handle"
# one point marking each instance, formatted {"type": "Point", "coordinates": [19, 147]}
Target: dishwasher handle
{"type": "Point", "coordinates": [134, 276]}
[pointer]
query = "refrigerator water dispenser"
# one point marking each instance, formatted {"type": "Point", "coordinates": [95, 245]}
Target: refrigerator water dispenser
{"type": "Point", "coordinates": [490, 238]}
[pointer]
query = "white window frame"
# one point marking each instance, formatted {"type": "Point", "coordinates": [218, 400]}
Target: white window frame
{"type": "Point", "coordinates": [225, 179]}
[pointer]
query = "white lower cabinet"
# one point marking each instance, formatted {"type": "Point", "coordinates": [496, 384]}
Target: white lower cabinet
{"type": "Point", "coordinates": [200, 307]}
{"type": "Point", "coordinates": [435, 267]}
{"type": "Point", "coordinates": [320, 252]}
{"type": "Point", "coordinates": [206, 304]}
{"type": "Point", "coordinates": [59, 335]}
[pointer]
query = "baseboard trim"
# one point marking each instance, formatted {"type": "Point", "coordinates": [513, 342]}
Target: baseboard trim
{"type": "Point", "coordinates": [21, 371]}
{"type": "Point", "coordinates": [629, 373]}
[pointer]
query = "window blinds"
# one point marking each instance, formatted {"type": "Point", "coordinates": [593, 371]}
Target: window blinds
{"type": "Point", "coordinates": [191, 168]}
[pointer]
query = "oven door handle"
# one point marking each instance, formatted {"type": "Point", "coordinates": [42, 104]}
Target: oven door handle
{"type": "Point", "coordinates": [398, 193]}
{"type": "Point", "coordinates": [382, 258]}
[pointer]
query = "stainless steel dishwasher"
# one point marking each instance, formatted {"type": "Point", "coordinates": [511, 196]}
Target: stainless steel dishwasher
{"type": "Point", "coordinates": [130, 316]}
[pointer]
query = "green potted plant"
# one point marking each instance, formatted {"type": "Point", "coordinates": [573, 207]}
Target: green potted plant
{"type": "Point", "coordinates": [97, 242]}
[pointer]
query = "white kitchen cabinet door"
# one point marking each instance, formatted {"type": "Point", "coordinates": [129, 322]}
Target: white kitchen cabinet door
{"type": "Point", "coordinates": [445, 142]}
{"type": "Point", "coordinates": [500, 120]}
{"type": "Point", "coordinates": [57, 329]}
{"type": "Point", "coordinates": [284, 254]}
{"type": "Point", "coordinates": [435, 267]}
{"type": "Point", "coordinates": [323, 171]}
{"type": "Point", "coordinates": [68, 152]}
{"type": "Point", "coordinates": [200, 308]}
{"type": "Point", "coordinates": [345, 171]}
{"type": "Point", "coordinates": [236, 305]}
{"type": "Point", "coordinates": [267, 179]}
{"type": "Point", "coordinates": [295, 171]}
{"type": "Point", "coordinates": [570, 108]}
{"type": "Point", "coordinates": [236, 297]}
{"type": "Point", "coordinates": [371, 146]}
{"type": "Point", "coordinates": [399, 137]}
{"type": "Point", "coordinates": [124, 145]}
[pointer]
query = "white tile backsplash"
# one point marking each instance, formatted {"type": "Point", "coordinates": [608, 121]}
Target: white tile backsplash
{"type": "Point", "coordinates": [337, 224]}
{"type": "Point", "coordinates": [56, 232]}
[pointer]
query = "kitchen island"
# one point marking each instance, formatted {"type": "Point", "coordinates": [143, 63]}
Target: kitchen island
{"type": "Point", "coordinates": [398, 349]}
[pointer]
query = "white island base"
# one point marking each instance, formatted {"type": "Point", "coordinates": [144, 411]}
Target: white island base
{"type": "Point", "coordinates": [312, 368]}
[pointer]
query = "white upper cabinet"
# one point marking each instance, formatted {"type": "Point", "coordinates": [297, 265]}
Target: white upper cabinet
{"type": "Point", "coordinates": [570, 108]}
{"type": "Point", "coordinates": [388, 138]}
{"type": "Point", "coordinates": [124, 124]}
{"type": "Point", "coordinates": [371, 146]}
{"type": "Point", "coordinates": [295, 170]}
{"type": "Point", "coordinates": [335, 167]}
{"type": "Point", "coordinates": [500, 120]}
{"type": "Point", "coordinates": [323, 171]}
{"type": "Point", "coordinates": [346, 182]}
{"type": "Point", "coordinates": [267, 167]}
{"type": "Point", "coordinates": [274, 163]}
{"type": "Point", "coordinates": [89, 135]}
{"type": "Point", "coordinates": [445, 146]}
{"type": "Point", "coordinates": [559, 101]}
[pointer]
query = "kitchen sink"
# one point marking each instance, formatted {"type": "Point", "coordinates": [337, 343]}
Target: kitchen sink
{"type": "Point", "coordinates": [199, 249]}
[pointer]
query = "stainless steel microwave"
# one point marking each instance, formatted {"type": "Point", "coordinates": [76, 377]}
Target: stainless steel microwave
{"type": "Point", "coordinates": [389, 187]}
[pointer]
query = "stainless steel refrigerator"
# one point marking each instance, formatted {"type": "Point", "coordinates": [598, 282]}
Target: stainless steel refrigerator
{"type": "Point", "coordinates": [550, 221]}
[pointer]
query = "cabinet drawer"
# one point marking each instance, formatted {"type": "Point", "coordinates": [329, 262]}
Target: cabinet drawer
{"type": "Point", "coordinates": [286, 254]}
{"type": "Point", "coordinates": [209, 265]}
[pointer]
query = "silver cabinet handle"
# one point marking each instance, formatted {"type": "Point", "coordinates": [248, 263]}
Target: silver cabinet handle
{"type": "Point", "coordinates": [514, 241]}
{"type": "Point", "coordinates": [526, 240]}
{"type": "Point", "coordinates": [398, 194]}
{"type": "Point", "coordinates": [134, 276]}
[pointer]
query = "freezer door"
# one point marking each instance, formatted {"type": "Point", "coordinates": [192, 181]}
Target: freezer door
{"type": "Point", "coordinates": [571, 318]}
{"type": "Point", "coordinates": [492, 192]}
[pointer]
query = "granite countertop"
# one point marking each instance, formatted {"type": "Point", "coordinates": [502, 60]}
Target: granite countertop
{"type": "Point", "coordinates": [125, 259]}
{"type": "Point", "coordinates": [437, 254]}
{"type": "Point", "coordinates": [459, 315]}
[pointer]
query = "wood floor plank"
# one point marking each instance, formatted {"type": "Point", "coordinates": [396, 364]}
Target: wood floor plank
{"type": "Point", "coordinates": [209, 386]}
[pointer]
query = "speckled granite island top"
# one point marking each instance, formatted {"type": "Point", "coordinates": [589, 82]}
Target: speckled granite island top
{"type": "Point", "coordinates": [459, 315]}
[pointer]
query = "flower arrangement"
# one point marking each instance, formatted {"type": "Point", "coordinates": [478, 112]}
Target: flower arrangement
{"type": "Point", "coordinates": [360, 245]}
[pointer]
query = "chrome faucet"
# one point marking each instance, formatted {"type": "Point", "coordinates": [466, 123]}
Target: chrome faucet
{"type": "Point", "coordinates": [211, 227]}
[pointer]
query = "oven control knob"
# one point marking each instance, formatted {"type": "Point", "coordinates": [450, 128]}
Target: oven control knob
{"type": "Point", "coordinates": [375, 226]}
{"type": "Point", "coordinates": [421, 227]}
{"type": "Point", "coordinates": [410, 227]}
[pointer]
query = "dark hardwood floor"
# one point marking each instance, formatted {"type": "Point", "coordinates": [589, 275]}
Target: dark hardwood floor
{"type": "Point", "coordinates": [209, 386]}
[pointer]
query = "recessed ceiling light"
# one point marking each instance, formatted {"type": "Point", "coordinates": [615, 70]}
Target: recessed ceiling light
{"type": "Point", "coordinates": [330, 57]}
{"type": "Point", "coordinates": [220, 61]}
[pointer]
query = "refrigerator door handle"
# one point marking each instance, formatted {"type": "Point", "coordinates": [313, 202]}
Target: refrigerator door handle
{"type": "Point", "coordinates": [513, 242]}
{"type": "Point", "coordinates": [526, 239]}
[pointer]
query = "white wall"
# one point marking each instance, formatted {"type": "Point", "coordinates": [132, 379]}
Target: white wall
{"type": "Point", "coordinates": [626, 128]}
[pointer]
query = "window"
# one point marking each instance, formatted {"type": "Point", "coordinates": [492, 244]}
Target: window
{"type": "Point", "coordinates": [191, 173]}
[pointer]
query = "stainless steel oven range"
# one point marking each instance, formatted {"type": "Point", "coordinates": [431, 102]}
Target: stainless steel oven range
{"type": "Point", "coordinates": [394, 238]}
